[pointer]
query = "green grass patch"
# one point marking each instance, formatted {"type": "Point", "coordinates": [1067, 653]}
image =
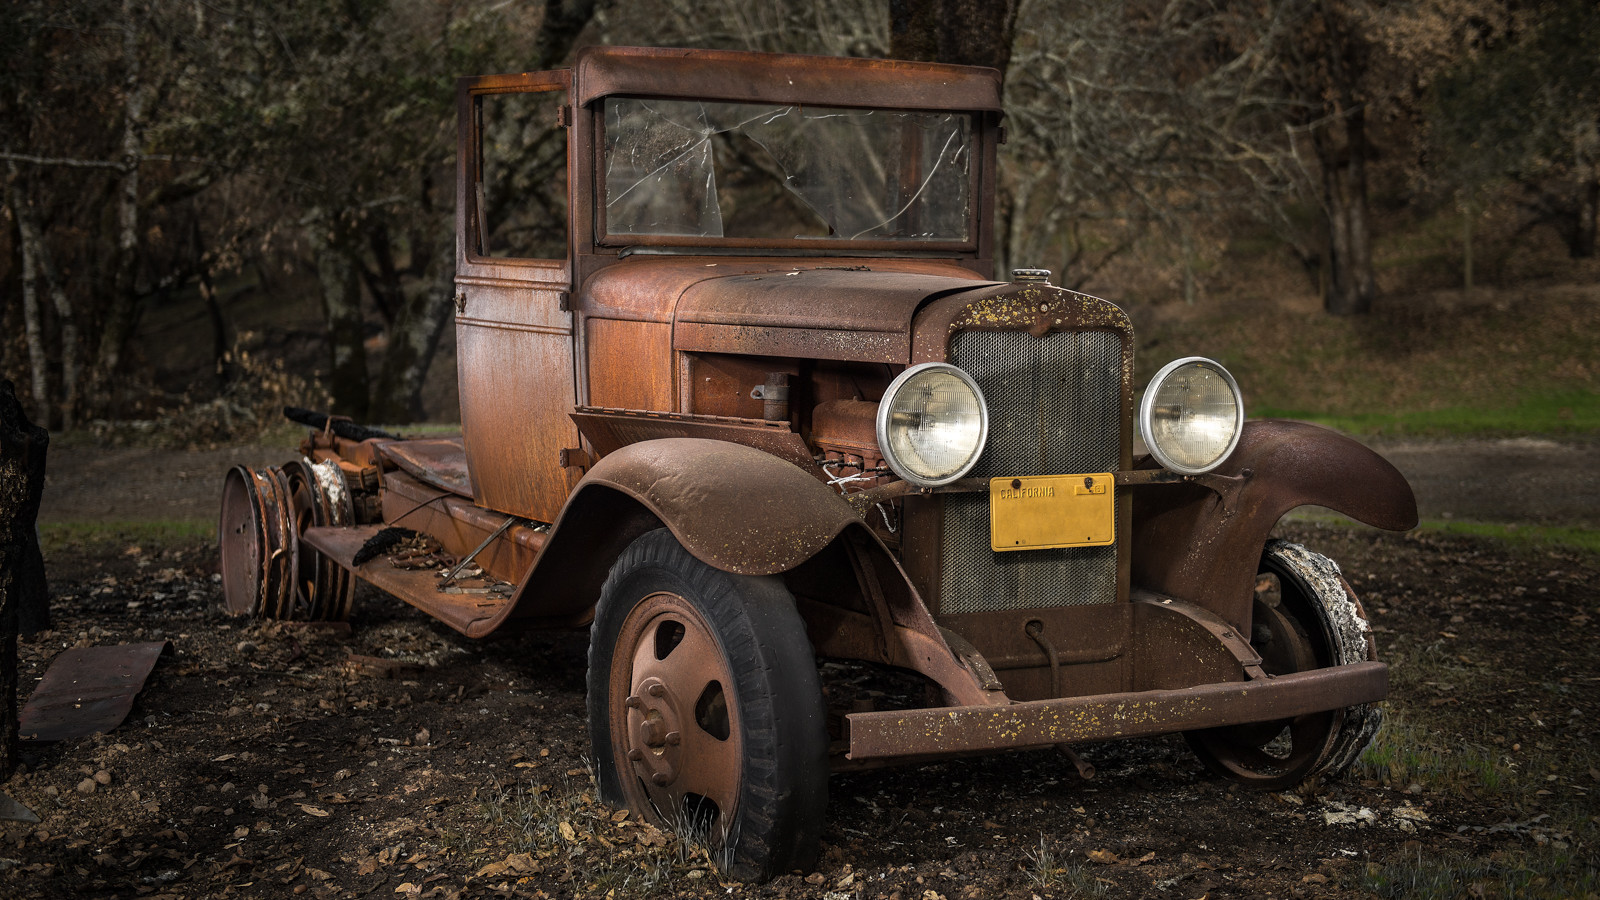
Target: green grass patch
{"type": "Point", "coordinates": [1522, 535]}
{"type": "Point", "coordinates": [562, 830]}
{"type": "Point", "coordinates": [1490, 363]}
{"type": "Point", "coordinates": [1406, 753]}
{"type": "Point", "coordinates": [1565, 413]}
{"type": "Point", "coordinates": [1540, 873]}
{"type": "Point", "coordinates": [1049, 870]}
{"type": "Point", "coordinates": [55, 537]}
{"type": "Point", "coordinates": [1516, 534]}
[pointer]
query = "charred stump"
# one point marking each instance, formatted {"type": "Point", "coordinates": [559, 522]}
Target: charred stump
{"type": "Point", "coordinates": [23, 598]}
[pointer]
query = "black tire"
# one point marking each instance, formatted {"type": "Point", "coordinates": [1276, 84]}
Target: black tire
{"type": "Point", "coordinates": [672, 743]}
{"type": "Point", "coordinates": [1316, 623]}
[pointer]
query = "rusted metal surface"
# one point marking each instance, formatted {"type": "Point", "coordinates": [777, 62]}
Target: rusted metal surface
{"type": "Point", "coordinates": [667, 665]}
{"type": "Point", "coordinates": [1184, 545]}
{"type": "Point", "coordinates": [629, 364]}
{"type": "Point", "coordinates": [773, 77]}
{"type": "Point", "coordinates": [648, 288]}
{"type": "Point", "coordinates": [733, 507]}
{"type": "Point", "coordinates": [320, 496]}
{"type": "Point", "coordinates": [259, 544]}
{"type": "Point", "coordinates": [514, 362]}
{"type": "Point", "coordinates": [264, 571]}
{"type": "Point", "coordinates": [867, 314]}
{"type": "Point", "coordinates": [1042, 723]}
{"type": "Point", "coordinates": [609, 430]}
{"type": "Point", "coordinates": [461, 525]}
{"type": "Point", "coordinates": [726, 387]}
{"type": "Point", "coordinates": [441, 462]}
{"type": "Point", "coordinates": [1305, 615]}
{"type": "Point", "coordinates": [474, 615]}
{"type": "Point", "coordinates": [87, 690]}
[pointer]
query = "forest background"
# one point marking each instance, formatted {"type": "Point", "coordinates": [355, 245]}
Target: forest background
{"type": "Point", "coordinates": [213, 208]}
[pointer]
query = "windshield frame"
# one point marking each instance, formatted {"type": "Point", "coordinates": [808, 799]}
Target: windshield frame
{"type": "Point", "coordinates": [979, 204]}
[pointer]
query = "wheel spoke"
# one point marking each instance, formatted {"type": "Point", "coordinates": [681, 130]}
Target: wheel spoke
{"type": "Point", "coordinates": [710, 767]}
{"type": "Point", "coordinates": [688, 667]}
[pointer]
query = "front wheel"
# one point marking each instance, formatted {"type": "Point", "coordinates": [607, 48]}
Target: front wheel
{"type": "Point", "coordinates": [705, 709]}
{"type": "Point", "coordinates": [1306, 618]}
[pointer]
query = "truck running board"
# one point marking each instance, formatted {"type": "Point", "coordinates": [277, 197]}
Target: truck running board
{"type": "Point", "coordinates": [471, 614]}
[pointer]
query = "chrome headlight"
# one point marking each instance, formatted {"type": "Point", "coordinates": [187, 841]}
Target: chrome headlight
{"type": "Point", "coordinates": [1191, 415]}
{"type": "Point", "coordinates": [932, 424]}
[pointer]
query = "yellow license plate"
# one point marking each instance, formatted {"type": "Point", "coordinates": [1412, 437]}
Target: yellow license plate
{"type": "Point", "coordinates": [1042, 512]}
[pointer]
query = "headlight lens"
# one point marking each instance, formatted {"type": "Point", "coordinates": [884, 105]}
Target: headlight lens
{"type": "Point", "coordinates": [932, 424]}
{"type": "Point", "coordinates": [1191, 415]}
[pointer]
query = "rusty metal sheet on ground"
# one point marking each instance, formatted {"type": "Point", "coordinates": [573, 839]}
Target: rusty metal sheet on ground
{"type": "Point", "coordinates": [87, 690]}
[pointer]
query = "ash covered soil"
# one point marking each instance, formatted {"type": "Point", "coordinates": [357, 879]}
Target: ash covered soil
{"type": "Point", "coordinates": [268, 760]}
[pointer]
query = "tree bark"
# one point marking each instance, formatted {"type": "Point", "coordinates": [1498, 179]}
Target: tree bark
{"type": "Point", "coordinates": [122, 315]}
{"type": "Point", "coordinates": [23, 596]}
{"type": "Point", "coordinates": [563, 21]}
{"type": "Point", "coordinates": [1342, 152]}
{"type": "Point", "coordinates": [397, 397]}
{"type": "Point", "coordinates": [341, 310]}
{"type": "Point", "coordinates": [966, 32]}
{"type": "Point", "coordinates": [1582, 244]}
{"type": "Point", "coordinates": [37, 264]}
{"type": "Point", "coordinates": [32, 324]}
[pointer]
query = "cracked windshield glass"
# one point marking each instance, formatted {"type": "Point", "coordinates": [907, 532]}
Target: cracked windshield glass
{"type": "Point", "coordinates": [692, 169]}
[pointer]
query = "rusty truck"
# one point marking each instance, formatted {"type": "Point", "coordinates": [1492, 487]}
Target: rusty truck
{"type": "Point", "coordinates": [741, 391]}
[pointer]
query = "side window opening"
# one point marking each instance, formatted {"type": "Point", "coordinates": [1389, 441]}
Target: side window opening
{"type": "Point", "coordinates": [520, 192]}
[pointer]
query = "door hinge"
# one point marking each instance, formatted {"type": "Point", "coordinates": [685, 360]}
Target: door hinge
{"type": "Point", "coordinates": [564, 301]}
{"type": "Point", "coordinates": [461, 301]}
{"type": "Point", "coordinates": [564, 116]}
{"type": "Point", "coordinates": [574, 458]}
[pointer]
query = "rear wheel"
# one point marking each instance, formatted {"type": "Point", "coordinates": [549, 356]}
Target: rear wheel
{"type": "Point", "coordinates": [705, 710]}
{"type": "Point", "coordinates": [1304, 617]}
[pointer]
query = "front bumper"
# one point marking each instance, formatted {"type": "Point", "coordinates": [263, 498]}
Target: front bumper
{"type": "Point", "coordinates": [1070, 720]}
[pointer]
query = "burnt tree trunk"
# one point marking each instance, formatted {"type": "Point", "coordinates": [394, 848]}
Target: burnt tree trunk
{"type": "Point", "coordinates": [1342, 154]}
{"type": "Point", "coordinates": [123, 316]}
{"type": "Point", "coordinates": [966, 32]}
{"type": "Point", "coordinates": [420, 323]}
{"type": "Point", "coordinates": [1581, 239]}
{"type": "Point", "coordinates": [341, 309]}
{"type": "Point", "coordinates": [23, 600]}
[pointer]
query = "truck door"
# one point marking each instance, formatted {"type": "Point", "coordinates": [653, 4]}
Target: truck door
{"type": "Point", "coordinates": [513, 278]}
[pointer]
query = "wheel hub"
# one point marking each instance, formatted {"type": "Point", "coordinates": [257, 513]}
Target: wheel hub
{"type": "Point", "coordinates": [654, 731]}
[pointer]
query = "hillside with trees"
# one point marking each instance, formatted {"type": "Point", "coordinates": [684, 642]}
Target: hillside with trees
{"type": "Point", "coordinates": [281, 182]}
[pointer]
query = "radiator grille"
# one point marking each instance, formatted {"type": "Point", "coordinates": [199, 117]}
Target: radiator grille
{"type": "Point", "coordinates": [1054, 409]}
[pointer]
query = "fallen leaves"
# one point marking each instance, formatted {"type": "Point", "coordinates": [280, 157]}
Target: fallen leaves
{"type": "Point", "coordinates": [515, 864]}
{"type": "Point", "coordinates": [1108, 858]}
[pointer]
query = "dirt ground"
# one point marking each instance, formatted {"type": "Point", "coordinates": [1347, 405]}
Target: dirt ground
{"type": "Point", "coordinates": [264, 760]}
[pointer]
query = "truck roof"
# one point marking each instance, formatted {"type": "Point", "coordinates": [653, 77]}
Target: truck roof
{"type": "Point", "coordinates": [746, 77]}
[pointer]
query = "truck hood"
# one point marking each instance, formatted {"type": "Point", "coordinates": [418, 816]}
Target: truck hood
{"type": "Point", "coordinates": [822, 309]}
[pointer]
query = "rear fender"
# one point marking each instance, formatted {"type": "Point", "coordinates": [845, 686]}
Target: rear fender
{"type": "Point", "coordinates": [1193, 543]}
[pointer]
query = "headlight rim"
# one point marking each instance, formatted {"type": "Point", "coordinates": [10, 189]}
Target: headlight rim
{"type": "Point", "coordinates": [885, 448]}
{"type": "Point", "coordinates": [1147, 409]}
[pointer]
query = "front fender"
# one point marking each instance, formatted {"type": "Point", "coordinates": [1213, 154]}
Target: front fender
{"type": "Point", "coordinates": [1191, 543]}
{"type": "Point", "coordinates": [733, 507]}
{"type": "Point", "coordinates": [745, 511]}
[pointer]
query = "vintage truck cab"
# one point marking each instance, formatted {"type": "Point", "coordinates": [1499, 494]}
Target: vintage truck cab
{"type": "Point", "coordinates": [741, 389]}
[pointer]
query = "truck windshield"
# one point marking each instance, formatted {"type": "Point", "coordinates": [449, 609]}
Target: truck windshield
{"type": "Point", "coordinates": [687, 168]}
